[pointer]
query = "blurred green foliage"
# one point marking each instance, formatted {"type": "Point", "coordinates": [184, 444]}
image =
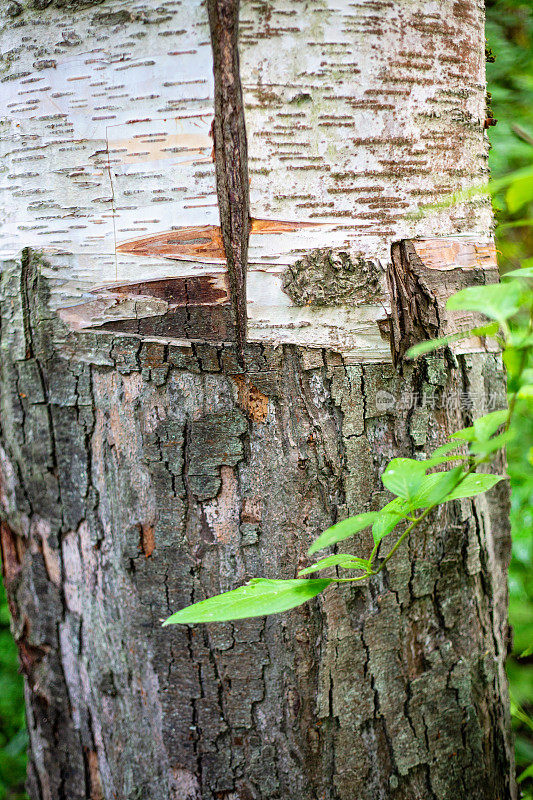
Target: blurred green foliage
{"type": "Point", "coordinates": [13, 738]}
{"type": "Point", "coordinates": [509, 33]}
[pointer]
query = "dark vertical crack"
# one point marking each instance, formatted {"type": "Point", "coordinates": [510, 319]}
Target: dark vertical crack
{"type": "Point", "coordinates": [231, 159]}
{"type": "Point", "coordinates": [414, 307]}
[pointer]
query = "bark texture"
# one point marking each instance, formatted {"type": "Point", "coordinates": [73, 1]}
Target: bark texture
{"type": "Point", "coordinates": [151, 458]}
{"type": "Point", "coordinates": [421, 276]}
{"type": "Point", "coordinates": [139, 477]}
{"type": "Point", "coordinates": [231, 153]}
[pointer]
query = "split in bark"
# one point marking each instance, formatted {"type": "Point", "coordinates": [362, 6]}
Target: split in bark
{"type": "Point", "coordinates": [231, 153]}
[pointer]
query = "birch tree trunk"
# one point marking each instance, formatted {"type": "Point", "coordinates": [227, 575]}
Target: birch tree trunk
{"type": "Point", "coordinates": [203, 368]}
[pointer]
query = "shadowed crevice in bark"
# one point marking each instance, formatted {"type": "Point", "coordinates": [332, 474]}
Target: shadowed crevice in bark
{"type": "Point", "coordinates": [231, 152]}
{"type": "Point", "coordinates": [422, 275]}
{"type": "Point", "coordinates": [414, 308]}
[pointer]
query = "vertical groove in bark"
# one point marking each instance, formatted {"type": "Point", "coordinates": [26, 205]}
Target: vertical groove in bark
{"type": "Point", "coordinates": [231, 152]}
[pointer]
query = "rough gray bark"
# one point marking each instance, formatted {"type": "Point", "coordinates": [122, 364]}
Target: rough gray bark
{"type": "Point", "coordinates": [139, 477]}
{"type": "Point", "coordinates": [152, 464]}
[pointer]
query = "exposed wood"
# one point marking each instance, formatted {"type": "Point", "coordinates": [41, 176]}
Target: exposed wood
{"type": "Point", "coordinates": [147, 540]}
{"type": "Point", "coordinates": [422, 275]}
{"type": "Point", "coordinates": [197, 243]}
{"type": "Point", "coordinates": [414, 308]}
{"type": "Point", "coordinates": [199, 290]}
{"type": "Point", "coordinates": [158, 298]}
{"type": "Point", "coordinates": [12, 549]}
{"type": "Point", "coordinates": [204, 243]}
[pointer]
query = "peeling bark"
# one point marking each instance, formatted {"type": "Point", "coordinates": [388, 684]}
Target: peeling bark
{"type": "Point", "coordinates": [421, 276]}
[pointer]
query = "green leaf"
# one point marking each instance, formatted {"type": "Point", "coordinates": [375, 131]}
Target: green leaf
{"type": "Point", "coordinates": [389, 516]}
{"type": "Point", "coordinates": [385, 525]}
{"type": "Point", "coordinates": [486, 330]}
{"type": "Point", "coordinates": [519, 193]}
{"type": "Point", "coordinates": [512, 358]}
{"type": "Point", "coordinates": [256, 599]}
{"type": "Point", "coordinates": [526, 392]}
{"type": "Point", "coordinates": [520, 342]}
{"type": "Point", "coordinates": [403, 476]}
{"type": "Point", "coordinates": [436, 487]}
{"type": "Point", "coordinates": [527, 652]}
{"type": "Point", "coordinates": [440, 487]}
{"type": "Point", "coordinates": [497, 300]}
{"type": "Point", "coordinates": [342, 530]}
{"type": "Point", "coordinates": [485, 426]}
{"type": "Point", "coordinates": [527, 773]}
{"type": "Point", "coordinates": [523, 272]}
{"type": "Point", "coordinates": [422, 348]}
{"type": "Point", "coordinates": [465, 434]}
{"type": "Point", "coordinates": [445, 448]}
{"type": "Point", "coordinates": [497, 184]}
{"type": "Point", "coordinates": [518, 223]}
{"type": "Point", "coordinates": [428, 346]}
{"type": "Point", "coordinates": [338, 560]}
{"type": "Point", "coordinates": [436, 461]}
{"type": "Point", "coordinates": [491, 445]}
{"type": "Point", "coordinates": [476, 483]}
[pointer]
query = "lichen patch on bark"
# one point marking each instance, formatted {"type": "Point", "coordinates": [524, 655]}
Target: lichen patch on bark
{"type": "Point", "coordinates": [327, 277]}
